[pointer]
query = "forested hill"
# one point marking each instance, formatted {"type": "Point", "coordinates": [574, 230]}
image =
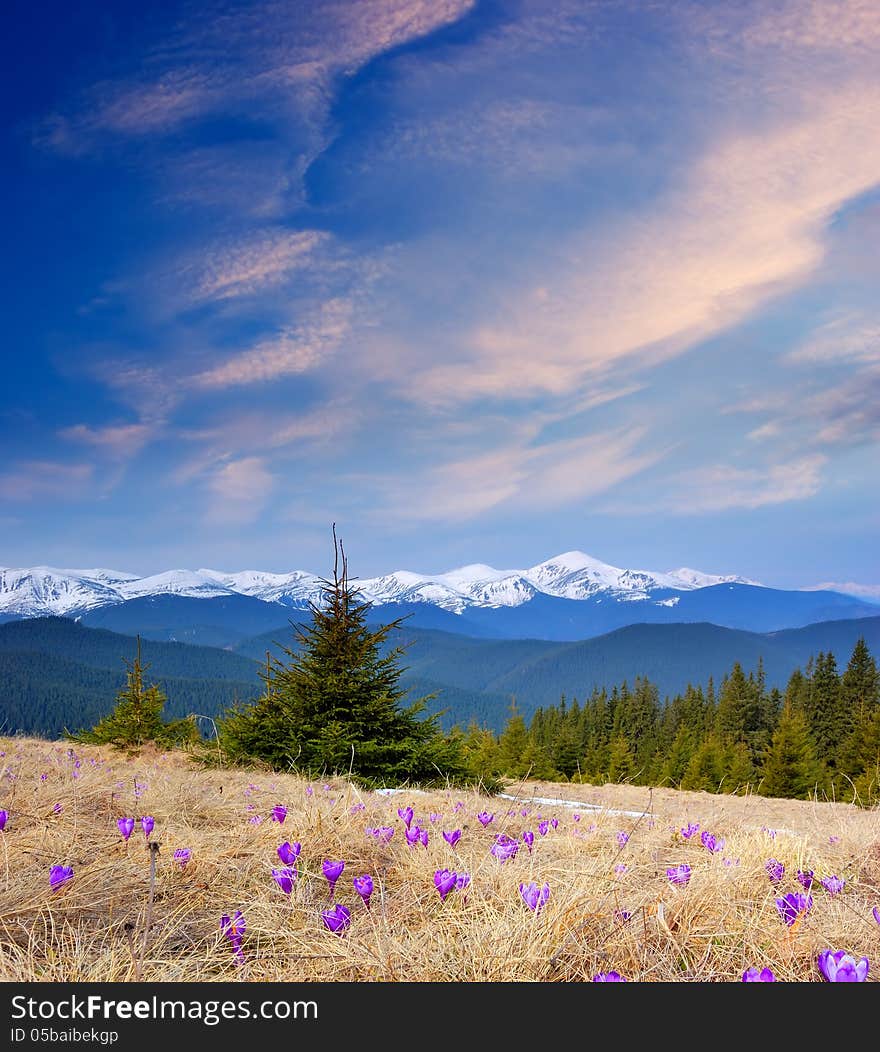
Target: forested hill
{"type": "Point", "coordinates": [99, 648]}
{"type": "Point", "coordinates": [57, 674]}
{"type": "Point", "coordinates": [537, 672]}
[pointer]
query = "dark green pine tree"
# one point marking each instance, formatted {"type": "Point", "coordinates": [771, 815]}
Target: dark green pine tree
{"type": "Point", "coordinates": [513, 744]}
{"type": "Point", "coordinates": [792, 767]}
{"type": "Point", "coordinates": [829, 721]}
{"type": "Point", "coordinates": [674, 762]}
{"type": "Point", "coordinates": [565, 747]}
{"type": "Point", "coordinates": [636, 720]}
{"type": "Point", "coordinates": [482, 754]}
{"type": "Point", "coordinates": [335, 704]}
{"type": "Point", "coordinates": [621, 761]}
{"type": "Point", "coordinates": [137, 717]}
{"type": "Point", "coordinates": [706, 769]}
{"type": "Point", "coordinates": [860, 697]}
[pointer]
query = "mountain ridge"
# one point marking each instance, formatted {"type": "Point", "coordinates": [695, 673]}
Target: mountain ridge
{"type": "Point", "coordinates": [46, 590]}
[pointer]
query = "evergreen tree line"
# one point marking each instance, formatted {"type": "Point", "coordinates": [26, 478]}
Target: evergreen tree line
{"type": "Point", "coordinates": [821, 736]}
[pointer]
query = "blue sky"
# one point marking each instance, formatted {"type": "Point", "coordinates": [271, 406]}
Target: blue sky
{"type": "Point", "coordinates": [479, 282]}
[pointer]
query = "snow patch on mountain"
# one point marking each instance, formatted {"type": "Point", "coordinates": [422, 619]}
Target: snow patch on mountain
{"type": "Point", "coordinates": [870, 593]}
{"type": "Point", "coordinates": [695, 579]}
{"type": "Point", "coordinates": [298, 588]}
{"type": "Point", "coordinates": [174, 582]}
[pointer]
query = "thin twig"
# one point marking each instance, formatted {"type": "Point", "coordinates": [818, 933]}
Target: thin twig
{"type": "Point", "coordinates": [148, 917]}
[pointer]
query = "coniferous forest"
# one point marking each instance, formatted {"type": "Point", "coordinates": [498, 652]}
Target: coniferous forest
{"type": "Point", "coordinates": [818, 737]}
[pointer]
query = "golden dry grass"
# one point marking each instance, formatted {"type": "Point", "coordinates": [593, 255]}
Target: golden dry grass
{"type": "Point", "coordinates": [100, 927]}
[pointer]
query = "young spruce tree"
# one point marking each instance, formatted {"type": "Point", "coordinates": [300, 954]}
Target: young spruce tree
{"type": "Point", "coordinates": [333, 705]}
{"type": "Point", "coordinates": [137, 717]}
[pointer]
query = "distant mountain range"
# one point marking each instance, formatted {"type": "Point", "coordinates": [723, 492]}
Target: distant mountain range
{"type": "Point", "coordinates": [56, 673]}
{"type": "Point", "coordinates": [569, 597]}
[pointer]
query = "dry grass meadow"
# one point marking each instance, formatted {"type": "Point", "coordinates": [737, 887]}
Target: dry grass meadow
{"type": "Point", "coordinates": [611, 906]}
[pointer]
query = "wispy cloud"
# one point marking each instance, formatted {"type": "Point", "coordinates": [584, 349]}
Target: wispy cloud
{"type": "Point", "coordinates": [250, 265]}
{"type": "Point", "coordinates": [747, 224]}
{"type": "Point", "coordinates": [287, 354]}
{"type": "Point", "coordinates": [722, 487]}
{"type": "Point", "coordinates": [852, 26]}
{"type": "Point", "coordinates": [278, 53]}
{"type": "Point", "coordinates": [34, 479]}
{"type": "Point", "coordinates": [239, 490]}
{"type": "Point", "coordinates": [849, 338]}
{"type": "Point", "coordinates": [552, 475]}
{"type": "Point", "coordinates": [121, 441]}
{"type": "Point", "coordinates": [849, 412]}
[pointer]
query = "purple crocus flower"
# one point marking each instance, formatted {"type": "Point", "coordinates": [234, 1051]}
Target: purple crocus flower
{"type": "Point", "coordinates": [609, 977]}
{"type": "Point", "coordinates": [353, 810]}
{"type": "Point", "coordinates": [453, 837]}
{"type": "Point", "coordinates": [382, 833]}
{"type": "Point", "coordinates": [126, 827]}
{"type": "Point", "coordinates": [444, 882]}
{"type": "Point", "coordinates": [833, 884]}
{"type": "Point", "coordinates": [876, 912]}
{"type": "Point", "coordinates": [756, 975]}
{"type": "Point", "coordinates": [285, 878]}
{"type": "Point", "coordinates": [233, 927]}
{"type": "Point", "coordinates": [504, 848]}
{"type": "Point", "coordinates": [182, 855]}
{"type": "Point", "coordinates": [405, 813]}
{"type": "Point", "coordinates": [840, 967]}
{"type": "Point", "coordinates": [289, 853]}
{"type": "Point", "coordinates": [533, 896]}
{"type": "Point", "coordinates": [279, 813]}
{"type": "Point", "coordinates": [711, 842]}
{"type": "Point", "coordinates": [434, 818]}
{"type": "Point", "coordinates": [543, 826]}
{"type": "Point", "coordinates": [337, 918]}
{"type": "Point", "coordinates": [680, 874]}
{"type": "Point", "coordinates": [805, 878]}
{"type": "Point", "coordinates": [332, 871]}
{"type": "Point", "coordinates": [59, 875]}
{"type": "Point", "coordinates": [794, 905]}
{"type": "Point", "coordinates": [364, 887]}
{"type": "Point", "coordinates": [690, 830]}
{"type": "Point", "coordinates": [484, 818]}
{"type": "Point", "coordinates": [147, 823]}
{"type": "Point", "coordinates": [423, 837]}
{"type": "Point", "coordinates": [413, 835]}
{"type": "Point", "coordinates": [775, 870]}
{"type": "Point", "coordinates": [554, 822]}
{"type": "Point", "coordinates": [528, 839]}
{"type": "Point", "coordinates": [622, 838]}
{"type": "Point", "coordinates": [57, 809]}
{"type": "Point", "coordinates": [4, 818]}
{"type": "Point", "coordinates": [462, 880]}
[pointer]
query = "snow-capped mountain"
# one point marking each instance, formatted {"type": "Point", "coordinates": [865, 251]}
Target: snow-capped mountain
{"type": "Point", "coordinates": [44, 590]}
